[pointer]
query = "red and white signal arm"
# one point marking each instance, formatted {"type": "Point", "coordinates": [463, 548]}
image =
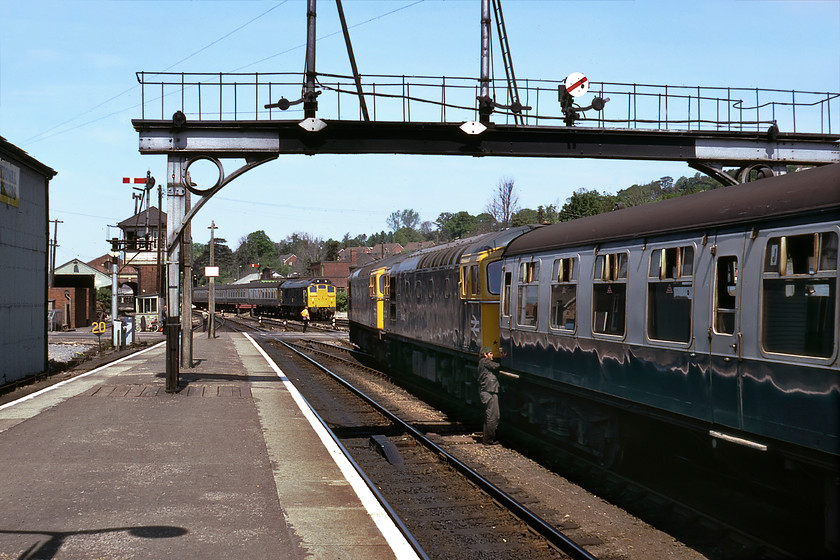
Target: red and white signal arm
{"type": "Point", "coordinates": [577, 84]}
{"type": "Point", "coordinates": [211, 271]}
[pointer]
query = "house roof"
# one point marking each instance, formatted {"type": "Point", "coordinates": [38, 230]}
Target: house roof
{"type": "Point", "coordinates": [139, 220]}
{"type": "Point", "coordinates": [76, 267]}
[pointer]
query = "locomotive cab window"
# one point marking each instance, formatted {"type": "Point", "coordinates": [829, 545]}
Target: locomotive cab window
{"type": "Point", "coordinates": [564, 293]}
{"type": "Point", "coordinates": [470, 282]}
{"type": "Point", "coordinates": [609, 294]}
{"type": "Point", "coordinates": [528, 294]}
{"type": "Point", "coordinates": [670, 291]}
{"type": "Point", "coordinates": [494, 277]}
{"type": "Point", "coordinates": [799, 294]}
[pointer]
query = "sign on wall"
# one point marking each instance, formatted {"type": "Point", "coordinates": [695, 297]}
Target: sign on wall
{"type": "Point", "coordinates": [9, 183]}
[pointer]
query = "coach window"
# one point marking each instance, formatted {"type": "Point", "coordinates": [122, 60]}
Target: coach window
{"type": "Point", "coordinates": [799, 295]}
{"type": "Point", "coordinates": [506, 295]}
{"type": "Point", "coordinates": [670, 290]}
{"type": "Point", "coordinates": [564, 293]}
{"type": "Point", "coordinates": [609, 292]}
{"type": "Point", "coordinates": [528, 296]}
{"type": "Point", "coordinates": [726, 290]}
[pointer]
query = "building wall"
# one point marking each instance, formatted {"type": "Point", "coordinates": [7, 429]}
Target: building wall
{"type": "Point", "coordinates": [336, 271]}
{"type": "Point", "coordinates": [79, 300]}
{"type": "Point", "coordinates": [23, 273]}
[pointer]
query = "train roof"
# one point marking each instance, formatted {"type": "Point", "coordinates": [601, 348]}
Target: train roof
{"type": "Point", "coordinates": [804, 192]}
{"type": "Point", "coordinates": [446, 254]}
{"type": "Point", "coordinates": [299, 282]}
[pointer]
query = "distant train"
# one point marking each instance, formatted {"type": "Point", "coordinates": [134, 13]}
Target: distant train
{"type": "Point", "coordinates": [713, 316]}
{"type": "Point", "coordinates": [281, 298]}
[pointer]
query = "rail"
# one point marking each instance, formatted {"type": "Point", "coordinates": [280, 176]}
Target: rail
{"type": "Point", "coordinates": [534, 522]}
{"type": "Point", "coordinates": [244, 96]}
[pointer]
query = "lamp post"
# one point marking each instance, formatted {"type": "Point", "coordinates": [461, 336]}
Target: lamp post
{"type": "Point", "coordinates": [211, 331]}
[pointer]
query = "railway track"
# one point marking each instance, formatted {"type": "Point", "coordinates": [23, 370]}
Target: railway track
{"type": "Point", "coordinates": [709, 531]}
{"type": "Point", "coordinates": [714, 534]}
{"type": "Point", "coordinates": [448, 506]}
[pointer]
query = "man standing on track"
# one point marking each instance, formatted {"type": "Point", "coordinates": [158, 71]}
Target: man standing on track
{"type": "Point", "coordinates": [305, 316]}
{"type": "Point", "coordinates": [488, 386]}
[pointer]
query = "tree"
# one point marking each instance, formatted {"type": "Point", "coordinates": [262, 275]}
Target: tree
{"type": "Point", "coordinates": [456, 226]}
{"type": "Point", "coordinates": [505, 202]}
{"type": "Point", "coordinates": [524, 217]}
{"type": "Point", "coordinates": [586, 203]}
{"type": "Point", "coordinates": [256, 248]}
{"type": "Point", "coordinates": [407, 235]}
{"type": "Point", "coordinates": [403, 219]}
{"type": "Point", "coordinates": [223, 257]}
{"type": "Point", "coordinates": [331, 249]}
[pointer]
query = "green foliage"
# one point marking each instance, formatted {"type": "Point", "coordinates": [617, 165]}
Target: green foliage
{"type": "Point", "coordinates": [223, 257]}
{"type": "Point", "coordinates": [456, 226]}
{"type": "Point", "coordinates": [407, 235]}
{"type": "Point", "coordinates": [524, 217]}
{"type": "Point", "coordinates": [586, 203]}
{"type": "Point", "coordinates": [341, 301]}
{"type": "Point", "coordinates": [103, 296]}
{"type": "Point", "coordinates": [403, 219]}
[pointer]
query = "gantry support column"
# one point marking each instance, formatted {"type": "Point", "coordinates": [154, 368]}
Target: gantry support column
{"type": "Point", "coordinates": [176, 200]}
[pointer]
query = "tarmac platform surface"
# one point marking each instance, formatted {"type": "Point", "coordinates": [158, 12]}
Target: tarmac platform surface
{"type": "Point", "coordinates": [109, 465]}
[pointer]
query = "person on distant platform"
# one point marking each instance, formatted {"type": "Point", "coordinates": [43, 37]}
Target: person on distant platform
{"type": "Point", "coordinates": [304, 315]}
{"type": "Point", "coordinates": [488, 387]}
{"type": "Point", "coordinates": [204, 316]}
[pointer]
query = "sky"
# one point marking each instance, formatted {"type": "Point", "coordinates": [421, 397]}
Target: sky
{"type": "Point", "coordinates": [68, 93]}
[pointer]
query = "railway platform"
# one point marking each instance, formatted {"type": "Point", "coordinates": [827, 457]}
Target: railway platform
{"type": "Point", "coordinates": [235, 465]}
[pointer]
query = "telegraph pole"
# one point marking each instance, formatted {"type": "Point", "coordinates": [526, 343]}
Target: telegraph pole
{"type": "Point", "coordinates": [211, 331]}
{"type": "Point", "coordinates": [52, 253]}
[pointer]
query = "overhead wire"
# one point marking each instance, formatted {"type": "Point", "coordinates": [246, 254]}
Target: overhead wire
{"type": "Point", "coordinates": [45, 134]}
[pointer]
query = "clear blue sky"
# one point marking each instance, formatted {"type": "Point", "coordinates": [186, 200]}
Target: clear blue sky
{"type": "Point", "coordinates": [68, 93]}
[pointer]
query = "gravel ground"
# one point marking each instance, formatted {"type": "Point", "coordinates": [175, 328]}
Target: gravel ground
{"type": "Point", "coordinates": [65, 352]}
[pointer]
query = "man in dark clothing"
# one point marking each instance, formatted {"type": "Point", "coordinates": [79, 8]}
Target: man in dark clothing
{"type": "Point", "coordinates": [488, 386]}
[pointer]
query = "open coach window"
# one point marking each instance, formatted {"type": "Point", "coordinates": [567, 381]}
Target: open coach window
{"type": "Point", "coordinates": [564, 293]}
{"type": "Point", "coordinates": [609, 293]}
{"type": "Point", "coordinates": [799, 294]}
{"type": "Point", "coordinates": [529, 290]}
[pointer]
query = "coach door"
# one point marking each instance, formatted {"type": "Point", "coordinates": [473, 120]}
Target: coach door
{"type": "Point", "coordinates": [725, 329]}
{"type": "Point", "coordinates": [379, 291]}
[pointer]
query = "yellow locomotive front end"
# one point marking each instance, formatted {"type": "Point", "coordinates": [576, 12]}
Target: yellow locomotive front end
{"type": "Point", "coordinates": [320, 299]}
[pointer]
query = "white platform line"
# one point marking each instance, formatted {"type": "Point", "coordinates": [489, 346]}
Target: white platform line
{"type": "Point", "coordinates": [396, 540]}
{"type": "Point", "coordinates": [76, 378]}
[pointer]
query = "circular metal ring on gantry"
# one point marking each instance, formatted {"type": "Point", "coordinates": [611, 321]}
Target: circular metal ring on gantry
{"type": "Point", "coordinates": [762, 171]}
{"type": "Point", "coordinates": [220, 181]}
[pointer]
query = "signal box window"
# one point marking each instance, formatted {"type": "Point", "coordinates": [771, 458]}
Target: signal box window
{"type": "Point", "coordinates": [670, 291]}
{"type": "Point", "coordinates": [564, 293]}
{"type": "Point", "coordinates": [528, 296]}
{"type": "Point", "coordinates": [609, 293]}
{"type": "Point", "coordinates": [799, 295]}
